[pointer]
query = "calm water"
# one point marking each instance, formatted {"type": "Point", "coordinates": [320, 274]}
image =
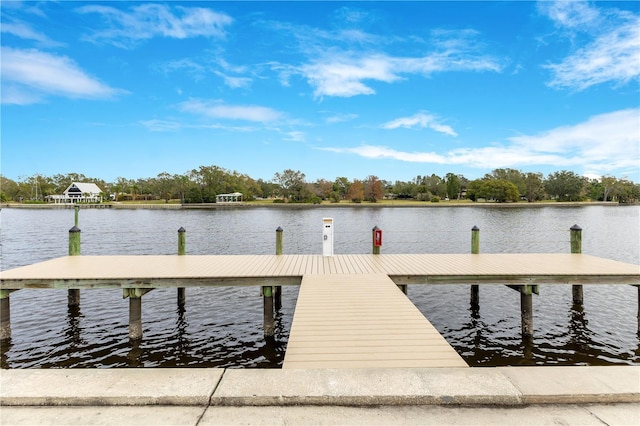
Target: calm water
{"type": "Point", "coordinates": [222, 327]}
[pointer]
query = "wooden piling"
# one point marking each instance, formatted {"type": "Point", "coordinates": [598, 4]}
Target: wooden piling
{"type": "Point", "coordinates": [374, 248]}
{"type": "Point", "coordinates": [638, 287]}
{"type": "Point", "coordinates": [182, 250]}
{"type": "Point", "coordinates": [475, 249]}
{"type": "Point", "coordinates": [73, 295]}
{"type": "Point", "coordinates": [268, 318]}
{"type": "Point", "coordinates": [576, 247]}
{"type": "Point", "coordinates": [277, 290]}
{"type": "Point", "coordinates": [76, 214]}
{"type": "Point", "coordinates": [5, 315]}
{"type": "Point", "coordinates": [526, 311]}
{"type": "Point", "coordinates": [135, 318]}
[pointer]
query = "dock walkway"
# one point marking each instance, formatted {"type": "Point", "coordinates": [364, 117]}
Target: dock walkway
{"type": "Point", "coordinates": [362, 321]}
{"type": "Point", "coordinates": [157, 271]}
{"type": "Point", "coordinates": [350, 312]}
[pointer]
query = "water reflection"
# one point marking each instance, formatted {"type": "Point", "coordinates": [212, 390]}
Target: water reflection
{"type": "Point", "coordinates": [73, 332]}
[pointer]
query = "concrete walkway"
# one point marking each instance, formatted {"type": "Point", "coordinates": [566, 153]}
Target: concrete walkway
{"type": "Point", "coordinates": [192, 396]}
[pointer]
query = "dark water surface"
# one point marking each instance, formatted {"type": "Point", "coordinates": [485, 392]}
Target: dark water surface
{"type": "Point", "coordinates": [222, 327]}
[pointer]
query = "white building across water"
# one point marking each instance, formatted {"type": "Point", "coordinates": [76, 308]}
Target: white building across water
{"type": "Point", "coordinates": [236, 197]}
{"type": "Point", "coordinates": [78, 192]}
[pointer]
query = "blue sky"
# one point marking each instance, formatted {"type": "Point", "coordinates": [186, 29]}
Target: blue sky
{"type": "Point", "coordinates": [133, 89]}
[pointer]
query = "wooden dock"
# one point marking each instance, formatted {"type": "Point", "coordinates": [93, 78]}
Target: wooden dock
{"type": "Point", "coordinates": [350, 312]}
{"type": "Point", "coordinates": [360, 321]}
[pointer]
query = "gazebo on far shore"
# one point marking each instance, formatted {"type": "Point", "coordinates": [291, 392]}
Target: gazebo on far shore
{"type": "Point", "coordinates": [236, 197]}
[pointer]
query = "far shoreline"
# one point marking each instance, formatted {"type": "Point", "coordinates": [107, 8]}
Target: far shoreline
{"type": "Point", "coordinates": [250, 204]}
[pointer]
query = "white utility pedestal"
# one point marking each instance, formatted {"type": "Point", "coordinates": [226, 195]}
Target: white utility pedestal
{"type": "Point", "coordinates": [327, 236]}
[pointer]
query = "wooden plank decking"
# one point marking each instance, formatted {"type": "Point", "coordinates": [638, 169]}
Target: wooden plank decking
{"type": "Point", "coordinates": [360, 321]}
{"type": "Point", "coordinates": [205, 270]}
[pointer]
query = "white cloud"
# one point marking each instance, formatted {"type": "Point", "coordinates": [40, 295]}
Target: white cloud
{"type": "Point", "coordinates": [570, 14]}
{"type": "Point", "coordinates": [345, 74]}
{"type": "Point", "coordinates": [295, 136]}
{"type": "Point", "coordinates": [345, 61]}
{"type": "Point", "coordinates": [147, 20]}
{"type": "Point", "coordinates": [421, 119]}
{"type": "Point", "coordinates": [341, 118]}
{"type": "Point", "coordinates": [25, 31]}
{"type": "Point", "coordinates": [234, 82]}
{"type": "Point", "coordinates": [612, 53]}
{"type": "Point", "coordinates": [215, 109]}
{"type": "Point", "coordinates": [342, 76]}
{"type": "Point", "coordinates": [161, 125]}
{"type": "Point", "coordinates": [31, 75]}
{"type": "Point", "coordinates": [602, 144]}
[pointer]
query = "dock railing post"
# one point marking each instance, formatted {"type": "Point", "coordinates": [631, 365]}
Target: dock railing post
{"type": "Point", "coordinates": [475, 249]}
{"type": "Point", "coordinates": [73, 296]}
{"type": "Point", "coordinates": [277, 290]}
{"type": "Point", "coordinates": [576, 248]}
{"type": "Point", "coordinates": [182, 250]}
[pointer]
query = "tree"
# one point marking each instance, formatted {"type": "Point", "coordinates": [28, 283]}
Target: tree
{"type": "Point", "coordinates": [454, 185]}
{"type": "Point", "coordinates": [435, 185]}
{"type": "Point", "coordinates": [500, 190]}
{"type": "Point", "coordinates": [292, 184]}
{"type": "Point", "coordinates": [608, 185]}
{"type": "Point", "coordinates": [534, 187]}
{"type": "Point", "coordinates": [341, 186]}
{"type": "Point", "coordinates": [165, 183]}
{"type": "Point", "coordinates": [510, 175]}
{"type": "Point", "coordinates": [474, 189]}
{"type": "Point", "coordinates": [565, 186]}
{"type": "Point", "coordinates": [356, 191]}
{"type": "Point", "coordinates": [492, 189]}
{"type": "Point", "coordinates": [373, 189]}
{"type": "Point", "coordinates": [323, 188]}
{"type": "Point", "coordinates": [626, 191]}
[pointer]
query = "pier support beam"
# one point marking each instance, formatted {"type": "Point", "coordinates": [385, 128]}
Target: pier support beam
{"type": "Point", "coordinates": [526, 312]}
{"type": "Point", "coordinates": [576, 247]}
{"type": "Point", "coordinates": [526, 307]}
{"type": "Point", "coordinates": [277, 290]}
{"type": "Point", "coordinates": [268, 317]}
{"type": "Point", "coordinates": [182, 250]}
{"type": "Point", "coordinates": [135, 318]}
{"type": "Point", "coordinates": [475, 249]}
{"type": "Point", "coordinates": [5, 315]}
{"type": "Point", "coordinates": [135, 310]}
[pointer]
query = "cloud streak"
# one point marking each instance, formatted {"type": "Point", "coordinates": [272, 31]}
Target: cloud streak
{"type": "Point", "coordinates": [612, 55]}
{"type": "Point", "coordinates": [219, 110]}
{"type": "Point", "coordinates": [145, 21]}
{"type": "Point", "coordinates": [26, 32]}
{"type": "Point", "coordinates": [28, 76]}
{"type": "Point", "coordinates": [421, 120]}
{"type": "Point", "coordinates": [347, 74]}
{"type": "Point", "coordinates": [601, 144]}
{"type": "Point", "coordinates": [346, 63]}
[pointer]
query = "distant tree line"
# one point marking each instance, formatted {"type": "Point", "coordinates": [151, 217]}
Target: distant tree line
{"type": "Point", "coordinates": [201, 185]}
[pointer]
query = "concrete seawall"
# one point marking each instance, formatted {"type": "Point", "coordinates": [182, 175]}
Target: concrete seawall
{"type": "Point", "coordinates": [193, 396]}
